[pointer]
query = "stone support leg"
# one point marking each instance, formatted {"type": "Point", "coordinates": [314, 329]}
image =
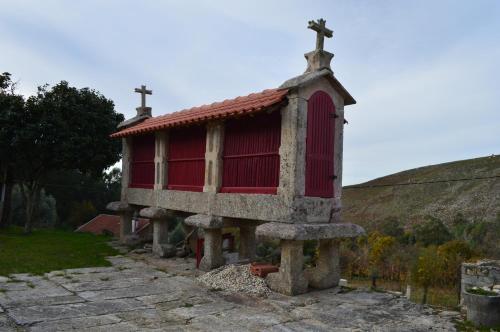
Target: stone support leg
{"type": "Point", "coordinates": [125, 226]}
{"type": "Point", "coordinates": [160, 239]}
{"type": "Point", "coordinates": [290, 279]}
{"type": "Point", "coordinates": [326, 274]}
{"type": "Point", "coordinates": [247, 247]}
{"type": "Point", "coordinates": [212, 257]}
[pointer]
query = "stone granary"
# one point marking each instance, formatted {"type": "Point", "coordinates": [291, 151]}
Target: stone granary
{"type": "Point", "coordinates": [269, 163]}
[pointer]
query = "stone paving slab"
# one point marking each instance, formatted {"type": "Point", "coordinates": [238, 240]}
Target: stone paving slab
{"type": "Point", "coordinates": [40, 301]}
{"type": "Point", "coordinates": [147, 294]}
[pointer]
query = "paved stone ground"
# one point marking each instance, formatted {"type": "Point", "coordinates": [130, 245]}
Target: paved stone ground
{"type": "Point", "coordinates": [136, 295]}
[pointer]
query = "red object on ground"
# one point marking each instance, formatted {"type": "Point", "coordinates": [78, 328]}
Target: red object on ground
{"type": "Point", "coordinates": [201, 242]}
{"type": "Point", "coordinates": [251, 160]}
{"type": "Point", "coordinates": [186, 158]}
{"type": "Point", "coordinates": [319, 145]}
{"type": "Point", "coordinates": [262, 269]}
{"type": "Point", "coordinates": [108, 223]}
{"type": "Point", "coordinates": [252, 103]}
{"type": "Point", "coordinates": [143, 162]}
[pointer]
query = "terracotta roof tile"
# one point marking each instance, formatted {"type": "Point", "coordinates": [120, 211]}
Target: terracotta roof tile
{"type": "Point", "coordinates": [108, 223]}
{"type": "Point", "coordinates": [252, 103]}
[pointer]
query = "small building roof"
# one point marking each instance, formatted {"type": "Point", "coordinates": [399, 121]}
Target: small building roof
{"type": "Point", "coordinates": [109, 223]}
{"type": "Point", "coordinates": [252, 103]}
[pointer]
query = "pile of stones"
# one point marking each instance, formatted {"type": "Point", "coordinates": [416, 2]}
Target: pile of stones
{"type": "Point", "coordinates": [235, 278]}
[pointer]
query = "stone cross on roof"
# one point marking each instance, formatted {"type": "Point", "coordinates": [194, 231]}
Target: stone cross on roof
{"type": "Point", "coordinates": [143, 110]}
{"type": "Point", "coordinates": [322, 32]}
{"type": "Point", "coordinates": [143, 93]}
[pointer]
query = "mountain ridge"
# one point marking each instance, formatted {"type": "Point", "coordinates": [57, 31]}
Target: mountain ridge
{"type": "Point", "coordinates": [439, 190]}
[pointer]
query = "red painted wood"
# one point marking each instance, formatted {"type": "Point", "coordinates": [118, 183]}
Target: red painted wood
{"type": "Point", "coordinates": [251, 158]}
{"type": "Point", "coordinates": [319, 145]}
{"type": "Point", "coordinates": [142, 174]}
{"type": "Point", "coordinates": [186, 158]}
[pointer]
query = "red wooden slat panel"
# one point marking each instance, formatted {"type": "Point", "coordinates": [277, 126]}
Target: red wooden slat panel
{"type": "Point", "coordinates": [186, 158]}
{"type": "Point", "coordinates": [319, 145]}
{"type": "Point", "coordinates": [142, 165]}
{"type": "Point", "coordinates": [251, 159]}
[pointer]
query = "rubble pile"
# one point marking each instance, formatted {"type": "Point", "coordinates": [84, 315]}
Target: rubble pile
{"type": "Point", "coordinates": [235, 278]}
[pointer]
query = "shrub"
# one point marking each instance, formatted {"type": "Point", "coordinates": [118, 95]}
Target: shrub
{"type": "Point", "coordinates": [431, 232]}
{"type": "Point", "coordinates": [427, 270]}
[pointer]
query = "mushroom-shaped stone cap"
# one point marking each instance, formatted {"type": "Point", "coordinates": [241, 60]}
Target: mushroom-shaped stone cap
{"type": "Point", "coordinates": [301, 232]}
{"type": "Point", "coordinates": [154, 213]}
{"type": "Point", "coordinates": [204, 221]}
{"type": "Point", "coordinates": [119, 206]}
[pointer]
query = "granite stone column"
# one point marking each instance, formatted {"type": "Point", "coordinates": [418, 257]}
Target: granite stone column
{"type": "Point", "coordinates": [126, 213]}
{"type": "Point", "coordinates": [326, 274]}
{"type": "Point", "coordinates": [159, 218]}
{"type": "Point", "coordinates": [212, 229]}
{"type": "Point", "coordinates": [247, 249]}
{"type": "Point", "coordinates": [212, 256]}
{"type": "Point", "coordinates": [125, 226]}
{"type": "Point", "coordinates": [290, 279]}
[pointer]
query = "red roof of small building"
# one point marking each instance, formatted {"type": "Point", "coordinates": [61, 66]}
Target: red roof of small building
{"type": "Point", "coordinates": [108, 223]}
{"type": "Point", "coordinates": [252, 103]}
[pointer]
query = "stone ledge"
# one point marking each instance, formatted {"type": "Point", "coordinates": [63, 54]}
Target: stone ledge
{"type": "Point", "coordinates": [204, 221]}
{"type": "Point", "coordinates": [301, 232]}
{"type": "Point", "coordinates": [119, 206]}
{"type": "Point", "coordinates": [154, 213]}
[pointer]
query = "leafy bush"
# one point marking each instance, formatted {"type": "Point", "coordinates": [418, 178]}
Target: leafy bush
{"type": "Point", "coordinates": [427, 269]}
{"type": "Point", "coordinates": [432, 232]}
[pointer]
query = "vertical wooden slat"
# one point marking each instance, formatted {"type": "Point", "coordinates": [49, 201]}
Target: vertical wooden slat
{"type": "Point", "coordinates": [251, 154]}
{"type": "Point", "coordinates": [186, 158]}
{"type": "Point", "coordinates": [142, 164]}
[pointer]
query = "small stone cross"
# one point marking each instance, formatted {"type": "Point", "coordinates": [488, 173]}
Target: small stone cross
{"type": "Point", "coordinates": [143, 93]}
{"type": "Point", "coordinates": [322, 30]}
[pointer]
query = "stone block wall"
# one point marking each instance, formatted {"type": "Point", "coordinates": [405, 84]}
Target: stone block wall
{"type": "Point", "coordinates": [484, 273]}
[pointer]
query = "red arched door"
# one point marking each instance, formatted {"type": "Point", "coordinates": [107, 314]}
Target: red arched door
{"type": "Point", "coordinates": [319, 145]}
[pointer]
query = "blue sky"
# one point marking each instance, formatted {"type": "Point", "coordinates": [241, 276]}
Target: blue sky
{"type": "Point", "coordinates": [425, 74]}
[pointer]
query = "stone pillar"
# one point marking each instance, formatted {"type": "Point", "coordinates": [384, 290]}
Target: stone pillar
{"type": "Point", "coordinates": [212, 227]}
{"type": "Point", "coordinates": [212, 256]}
{"type": "Point", "coordinates": [292, 149]}
{"type": "Point", "coordinates": [126, 225]}
{"type": "Point", "coordinates": [247, 249]}
{"type": "Point", "coordinates": [126, 160]}
{"type": "Point", "coordinates": [159, 217]}
{"type": "Point", "coordinates": [326, 274]}
{"type": "Point", "coordinates": [161, 144]}
{"type": "Point", "coordinates": [213, 157]}
{"type": "Point", "coordinates": [126, 213]}
{"type": "Point", "coordinates": [290, 279]}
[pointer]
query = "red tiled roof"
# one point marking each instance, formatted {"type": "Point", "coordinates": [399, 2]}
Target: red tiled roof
{"type": "Point", "coordinates": [252, 103]}
{"type": "Point", "coordinates": [108, 223]}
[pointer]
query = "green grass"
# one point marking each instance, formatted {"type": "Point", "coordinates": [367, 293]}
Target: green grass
{"type": "Point", "coordinates": [480, 291]}
{"type": "Point", "coordinates": [49, 249]}
{"type": "Point", "coordinates": [467, 326]}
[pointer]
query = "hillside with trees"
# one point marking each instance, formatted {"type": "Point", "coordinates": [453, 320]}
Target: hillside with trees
{"type": "Point", "coordinates": [412, 196]}
{"type": "Point", "coordinates": [422, 224]}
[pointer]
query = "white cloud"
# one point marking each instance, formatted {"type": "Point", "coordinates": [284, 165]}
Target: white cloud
{"type": "Point", "coordinates": [425, 80]}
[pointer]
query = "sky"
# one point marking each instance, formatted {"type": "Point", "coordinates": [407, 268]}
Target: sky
{"type": "Point", "coordinates": [425, 74]}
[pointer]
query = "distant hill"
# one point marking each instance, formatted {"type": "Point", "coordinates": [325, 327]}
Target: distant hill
{"type": "Point", "coordinates": [477, 200]}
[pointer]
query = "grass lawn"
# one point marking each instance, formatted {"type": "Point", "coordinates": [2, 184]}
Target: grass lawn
{"type": "Point", "coordinates": [50, 249]}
